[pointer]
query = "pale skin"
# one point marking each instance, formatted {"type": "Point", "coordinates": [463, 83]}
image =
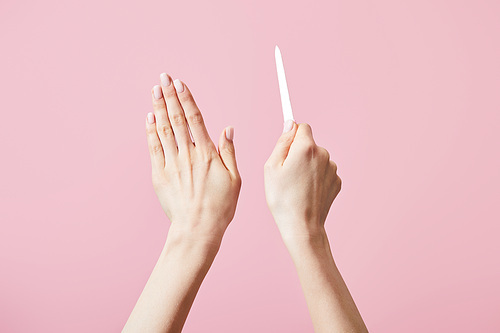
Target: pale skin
{"type": "Point", "coordinates": [198, 187]}
{"type": "Point", "coordinates": [301, 183]}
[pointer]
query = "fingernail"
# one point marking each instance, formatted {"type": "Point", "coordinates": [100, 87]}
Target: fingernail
{"type": "Point", "coordinates": [230, 133]}
{"type": "Point", "coordinates": [178, 85]}
{"type": "Point", "coordinates": [151, 118]}
{"type": "Point", "coordinates": [157, 91]}
{"type": "Point", "coordinates": [165, 80]}
{"type": "Point", "coordinates": [288, 125]}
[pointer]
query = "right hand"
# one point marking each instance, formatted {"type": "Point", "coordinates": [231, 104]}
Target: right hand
{"type": "Point", "coordinates": [301, 183]}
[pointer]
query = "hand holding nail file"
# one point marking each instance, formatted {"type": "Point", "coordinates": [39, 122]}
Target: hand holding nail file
{"type": "Point", "coordinates": [285, 97]}
{"type": "Point", "coordinates": [301, 183]}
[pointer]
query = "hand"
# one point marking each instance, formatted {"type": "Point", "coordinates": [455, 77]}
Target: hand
{"type": "Point", "coordinates": [197, 185]}
{"type": "Point", "coordinates": [301, 183]}
{"type": "Point", "coordinates": [198, 188]}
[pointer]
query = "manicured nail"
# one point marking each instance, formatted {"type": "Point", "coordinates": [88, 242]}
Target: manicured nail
{"type": "Point", "coordinates": [157, 91]}
{"type": "Point", "coordinates": [288, 125]}
{"type": "Point", "coordinates": [178, 85]}
{"type": "Point", "coordinates": [165, 80]}
{"type": "Point", "coordinates": [230, 133]}
{"type": "Point", "coordinates": [151, 118]}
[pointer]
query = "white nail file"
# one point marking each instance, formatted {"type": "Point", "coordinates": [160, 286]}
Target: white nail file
{"type": "Point", "coordinates": [285, 97]}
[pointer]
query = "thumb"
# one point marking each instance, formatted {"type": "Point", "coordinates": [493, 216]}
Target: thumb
{"type": "Point", "coordinates": [282, 147]}
{"type": "Point", "coordinates": [226, 150]}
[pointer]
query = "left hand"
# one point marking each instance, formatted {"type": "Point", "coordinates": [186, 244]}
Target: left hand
{"type": "Point", "coordinates": [197, 186]}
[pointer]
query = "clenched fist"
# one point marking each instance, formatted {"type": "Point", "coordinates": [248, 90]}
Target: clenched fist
{"type": "Point", "coordinates": [301, 182]}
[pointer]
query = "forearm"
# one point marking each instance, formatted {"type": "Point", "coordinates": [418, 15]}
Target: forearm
{"type": "Point", "coordinates": [330, 304]}
{"type": "Point", "coordinates": [170, 291]}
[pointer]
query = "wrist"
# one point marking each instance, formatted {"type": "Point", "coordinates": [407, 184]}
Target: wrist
{"type": "Point", "coordinates": [310, 238]}
{"type": "Point", "coordinates": [300, 229]}
{"type": "Point", "coordinates": [191, 239]}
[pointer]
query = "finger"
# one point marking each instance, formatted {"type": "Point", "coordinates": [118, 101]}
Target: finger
{"type": "Point", "coordinates": [154, 144]}
{"type": "Point", "coordinates": [282, 147]}
{"type": "Point", "coordinates": [226, 151]}
{"type": "Point", "coordinates": [334, 167]}
{"type": "Point", "coordinates": [163, 128]}
{"type": "Point", "coordinates": [303, 145]}
{"type": "Point", "coordinates": [176, 113]}
{"type": "Point", "coordinates": [194, 118]}
{"type": "Point", "coordinates": [304, 131]}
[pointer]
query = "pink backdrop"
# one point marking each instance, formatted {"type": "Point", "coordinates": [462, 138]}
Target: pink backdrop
{"type": "Point", "coordinates": [404, 94]}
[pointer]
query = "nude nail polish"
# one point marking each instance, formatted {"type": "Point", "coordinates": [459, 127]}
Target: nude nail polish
{"type": "Point", "coordinates": [178, 85]}
{"type": "Point", "coordinates": [151, 118]}
{"type": "Point", "coordinates": [230, 133]}
{"type": "Point", "coordinates": [157, 92]}
{"type": "Point", "coordinates": [288, 125]}
{"type": "Point", "coordinates": [165, 80]}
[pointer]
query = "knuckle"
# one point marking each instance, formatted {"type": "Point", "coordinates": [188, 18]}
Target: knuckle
{"type": "Point", "coordinates": [308, 148]}
{"type": "Point", "coordinates": [334, 166]}
{"type": "Point", "coordinates": [150, 130]}
{"type": "Point", "coordinates": [207, 149]}
{"type": "Point", "coordinates": [325, 153]}
{"type": "Point", "coordinates": [206, 156]}
{"type": "Point", "coordinates": [311, 146]}
{"type": "Point", "coordinates": [304, 130]}
{"type": "Point", "coordinates": [238, 181]}
{"type": "Point", "coordinates": [185, 98]}
{"type": "Point", "coordinates": [156, 148]}
{"type": "Point", "coordinates": [212, 154]}
{"type": "Point", "coordinates": [166, 131]}
{"type": "Point", "coordinates": [305, 126]}
{"type": "Point", "coordinates": [177, 119]}
{"type": "Point", "coordinates": [169, 93]}
{"type": "Point", "coordinates": [195, 118]}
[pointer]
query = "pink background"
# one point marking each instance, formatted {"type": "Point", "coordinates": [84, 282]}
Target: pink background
{"type": "Point", "coordinates": [404, 94]}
